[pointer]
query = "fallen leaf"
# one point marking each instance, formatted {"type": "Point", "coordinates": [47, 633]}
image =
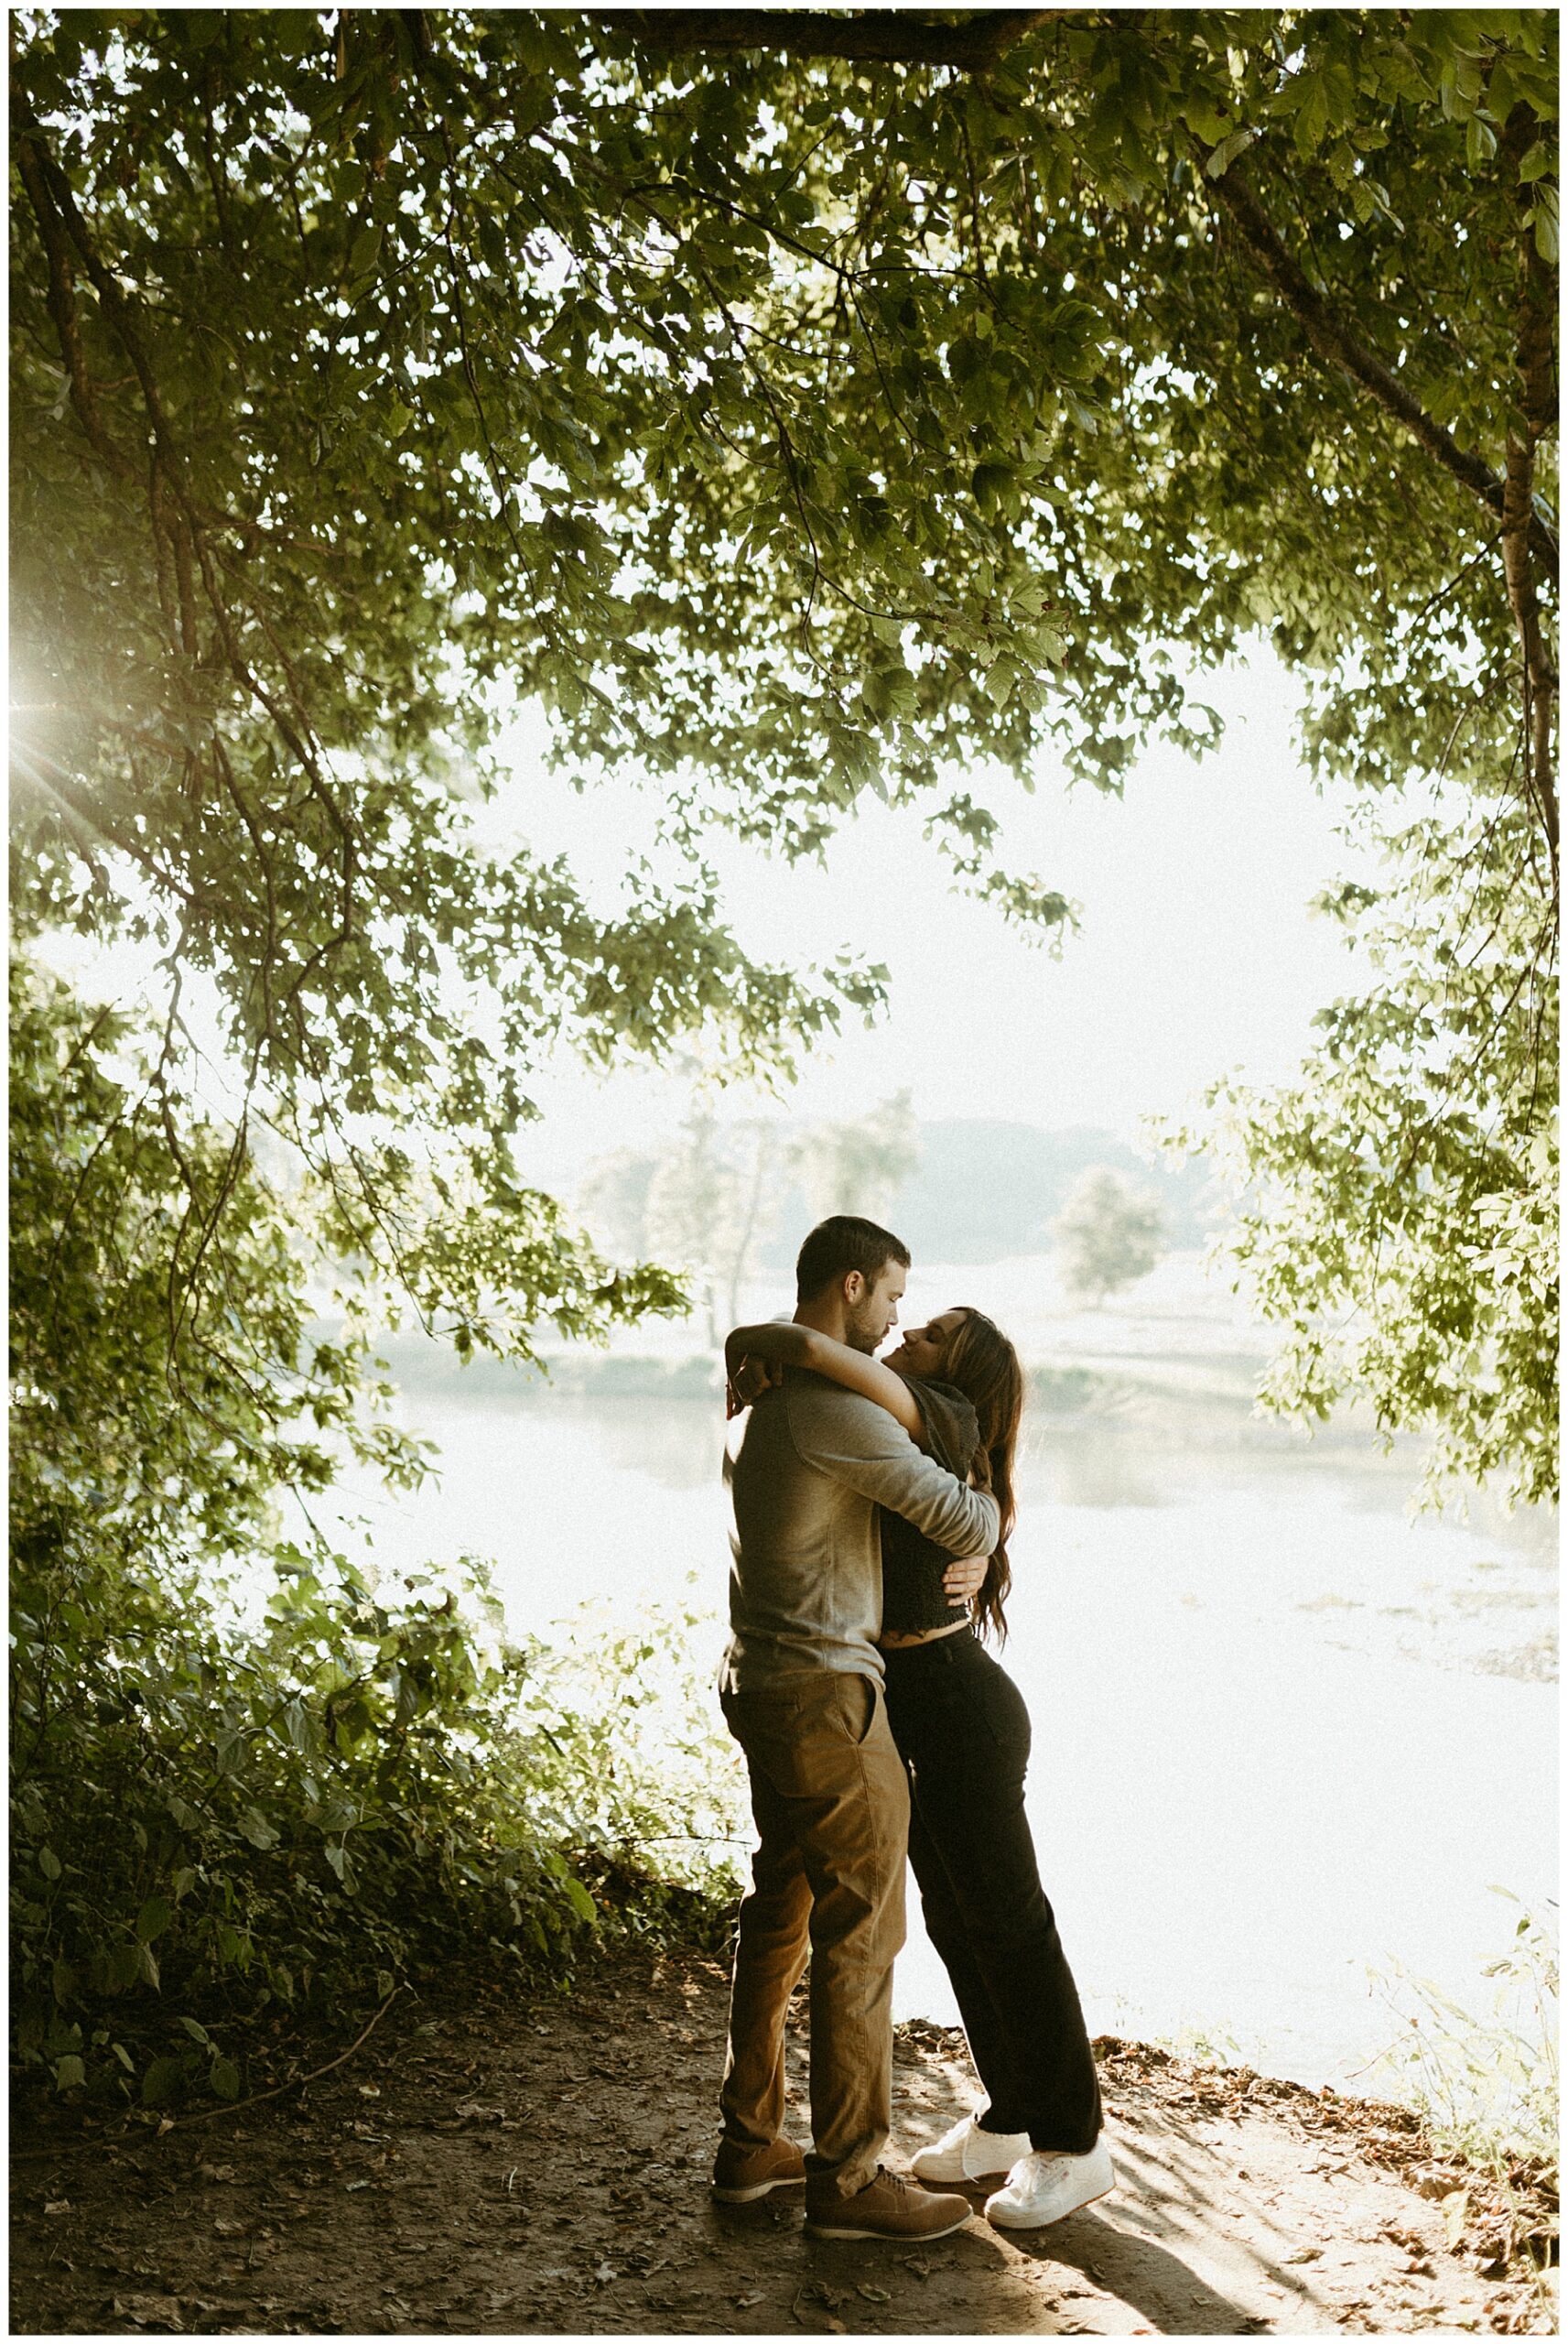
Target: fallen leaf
{"type": "Point", "coordinates": [874, 2294]}
{"type": "Point", "coordinates": [356, 2184]}
{"type": "Point", "coordinates": [150, 2311]}
{"type": "Point", "coordinates": [744, 2302]}
{"type": "Point", "coordinates": [228, 2230]}
{"type": "Point", "coordinates": [918, 2265]}
{"type": "Point", "coordinates": [1455, 2212]}
{"type": "Point", "coordinates": [57, 2205]}
{"type": "Point", "coordinates": [605, 2272]}
{"type": "Point", "coordinates": [1303, 2254]}
{"type": "Point", "coordinates": [370, 2091]}
{"type": "Point", "coordinates": [215, 2172]}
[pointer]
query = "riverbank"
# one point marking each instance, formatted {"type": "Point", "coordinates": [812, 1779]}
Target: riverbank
{"type": "Point", "coordinates": [489, 2163]}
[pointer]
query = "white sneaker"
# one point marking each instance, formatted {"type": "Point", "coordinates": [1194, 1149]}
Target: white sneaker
{"type": "Point", "coordinates": [1045, 2187]}
{"type": "Point", "coordinates": [967, 2153]}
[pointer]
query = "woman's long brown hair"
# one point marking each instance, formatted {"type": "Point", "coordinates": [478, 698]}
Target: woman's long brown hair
{"type": "Point", "coordinates": [982, 1364]}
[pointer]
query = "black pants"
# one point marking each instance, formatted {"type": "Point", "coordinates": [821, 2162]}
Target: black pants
{"type": "Point", "coordinates": [963, 1732]}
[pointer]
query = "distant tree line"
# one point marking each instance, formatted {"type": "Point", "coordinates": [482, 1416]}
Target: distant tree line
{"type": "Point", "coordinates": [730, 1200]}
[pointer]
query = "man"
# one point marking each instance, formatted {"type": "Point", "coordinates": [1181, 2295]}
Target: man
{"type": "Point", "coordinates": [801, 1687]}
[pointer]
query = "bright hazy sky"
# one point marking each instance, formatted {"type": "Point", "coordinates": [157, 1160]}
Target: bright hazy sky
{"type": "Point", "coordinates": [1197, 952]}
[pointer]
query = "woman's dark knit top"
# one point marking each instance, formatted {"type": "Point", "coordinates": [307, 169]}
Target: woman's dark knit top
{"type": "Point", "coordinates": [913, 1599]}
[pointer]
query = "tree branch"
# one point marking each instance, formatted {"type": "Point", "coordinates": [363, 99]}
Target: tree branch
{"type": "Point", "coordinates": [1537, 353]}
{"type": "Point", "coordinates": [62, 304]}
{"type": "Point", "coordinates": [891, 37]}
{"type": "Point", "coordinates": [1540, 678]}
{"type": "Point", "coordinates": [1535, 358]}
{"type": "Point", "coordinates": [1332, 340]}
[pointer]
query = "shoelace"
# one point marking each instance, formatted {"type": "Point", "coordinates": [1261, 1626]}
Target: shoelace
{"type": "Point", "coordinates": [1038, 2165]}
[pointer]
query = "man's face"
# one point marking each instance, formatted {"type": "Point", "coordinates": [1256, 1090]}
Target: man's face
{"type": "Point", "coordinates": [871, 1310]}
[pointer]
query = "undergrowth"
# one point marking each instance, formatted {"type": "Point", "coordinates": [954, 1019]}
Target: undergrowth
{"type": "Point", "coordinates": [1486, 2083]}
{"type": "Point", "coordinates": [253, 1788]}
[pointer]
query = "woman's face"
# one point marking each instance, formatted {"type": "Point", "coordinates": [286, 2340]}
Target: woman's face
{"type": "Point", "coordinates": [924, 1348]}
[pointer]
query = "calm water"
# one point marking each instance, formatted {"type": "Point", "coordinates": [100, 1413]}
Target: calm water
{"type": "Point", "coordinates": [1281, 1733]}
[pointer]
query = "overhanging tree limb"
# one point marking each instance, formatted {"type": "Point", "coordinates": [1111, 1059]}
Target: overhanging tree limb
{"type": "Point", "coordinates": [886, 37]}
{"type": "Point", "coordinates": [1541, 678]}
{"type": "Point", "coordinates": [62, 304]}
{"type": "Point", "coordinates": [1332, 340]}
{"type": "Point", "coordinates": [1536, 361]}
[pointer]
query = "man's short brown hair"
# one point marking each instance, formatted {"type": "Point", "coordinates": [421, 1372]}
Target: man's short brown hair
{"type": "Point", "coordinates": [842, 1244]}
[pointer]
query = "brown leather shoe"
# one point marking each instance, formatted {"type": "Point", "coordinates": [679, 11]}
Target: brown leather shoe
{"type": "Point", "coordinates": [888, 2206]}
{"type": "Point", "coordinates": [742, 2175]}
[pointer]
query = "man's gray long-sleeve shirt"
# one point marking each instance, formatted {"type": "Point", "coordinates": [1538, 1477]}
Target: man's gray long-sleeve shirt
{"type": "Point", "coordinates": [805, 1587]}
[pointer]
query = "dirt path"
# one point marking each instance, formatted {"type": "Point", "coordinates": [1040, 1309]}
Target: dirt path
{"type": "Point", "coordinates": [485, 2167]}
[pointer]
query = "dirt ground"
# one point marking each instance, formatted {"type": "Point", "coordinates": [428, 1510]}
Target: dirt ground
{"type": "Point", "coordinates": [487, 2165]}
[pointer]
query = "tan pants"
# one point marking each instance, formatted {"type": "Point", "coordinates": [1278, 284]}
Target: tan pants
{"type": "Point", "coordinates": [831, 1804]}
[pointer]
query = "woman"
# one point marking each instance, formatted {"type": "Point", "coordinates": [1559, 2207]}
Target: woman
{"type": "Point", "coordinates": [962, 1728]}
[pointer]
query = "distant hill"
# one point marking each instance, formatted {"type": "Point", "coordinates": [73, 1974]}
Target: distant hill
{"type": "Point", "coordinates": [983, 1191]}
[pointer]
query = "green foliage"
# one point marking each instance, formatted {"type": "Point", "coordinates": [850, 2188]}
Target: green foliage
{"type": "Point", "coordinates": [791, 425]}
{"type": "Point", "coordinates": [245, 1778]}
{"type": "Point", "coordinates": [791, 428]}
{"type": "Point", "coordinates": [1109, 1233]}
{"type": "Point", "coordinates": [1397, 1203]}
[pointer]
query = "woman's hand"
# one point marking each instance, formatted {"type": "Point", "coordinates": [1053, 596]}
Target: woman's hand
{"type": "Point", "coordinates": [750, 1377]}
{"type": "Point", "coordinates": [964, 1579]}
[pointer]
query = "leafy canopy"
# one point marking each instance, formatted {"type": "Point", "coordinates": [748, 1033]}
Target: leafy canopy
{"type": "Point", "coordinates": [791, 425]}
{"type": "Point", "coordinates": [798, 405]}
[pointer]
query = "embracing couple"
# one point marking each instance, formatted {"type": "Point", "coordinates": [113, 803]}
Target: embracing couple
{"type": "Point", "coordinates": [873, 1501]}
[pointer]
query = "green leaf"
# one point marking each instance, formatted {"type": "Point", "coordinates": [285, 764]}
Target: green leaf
{"type": "Point", "coordinates": [163, 2082]}
{"type": "Point", "coordinates": [1312, 112]}
{"type": "Point", "coordinates": [123, 1967]}
{"type": "Point", "coordinates": [1544, 216]}
{"type": "Point", "coordinates": [225, 2079]}
{"type": "Point", "coordinates": [70, 2074]}
{"type": "Point", "coordinates": [49, 1863]}
{"type": "Point", "coordinates": [364, 251]}
{"type": "Point", "coordinates": [1225, 153]}
{"type": "Point", "coordinates": [1480, 142]}
{"type": "Point", "coordinates": [990, 482]}
{"type": "Point", "coordinates": [298, 30]}
{"type": "Point", "coordinates": [580, 1901]}
{"type": "Point", "coordinates": [154, 1918]}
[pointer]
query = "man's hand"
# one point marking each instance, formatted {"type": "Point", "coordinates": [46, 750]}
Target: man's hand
{"type": "Point", "coordinates": [753, 1377]}
{"type": "Point", "coordinates": [964, 1579]}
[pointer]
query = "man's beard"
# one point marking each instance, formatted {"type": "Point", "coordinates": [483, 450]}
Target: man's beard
{"type": "Point", "coordinates": [861, 1329]}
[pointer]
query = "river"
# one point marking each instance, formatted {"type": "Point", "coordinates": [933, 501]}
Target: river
{"type": "Point", "coordinates": [1283, 1734]}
